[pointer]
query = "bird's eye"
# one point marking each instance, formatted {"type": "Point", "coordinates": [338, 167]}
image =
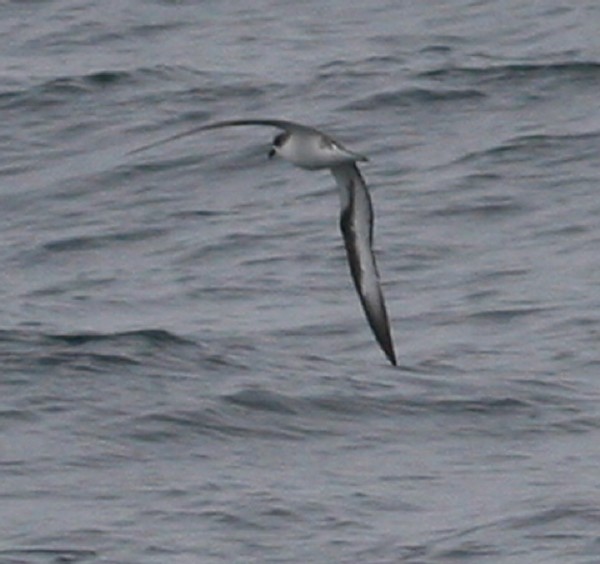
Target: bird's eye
{"type": "Point", "coordinates": [279, 139]}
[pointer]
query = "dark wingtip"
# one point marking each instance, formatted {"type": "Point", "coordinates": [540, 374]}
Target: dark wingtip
{"type": "Point", "coordinates": [384, 338]}
{"type": "Point", "coordinates": [391, 357]}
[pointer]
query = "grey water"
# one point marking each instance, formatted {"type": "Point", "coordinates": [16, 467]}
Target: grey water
{"type": "Point", "coordinates": [185, 371]}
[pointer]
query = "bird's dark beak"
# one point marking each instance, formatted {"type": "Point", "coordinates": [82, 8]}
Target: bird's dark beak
{"type": "Point", "coordinates": [271, 153]}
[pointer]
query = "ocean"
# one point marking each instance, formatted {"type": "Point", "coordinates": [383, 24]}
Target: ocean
{"type": "Point", "coordinates": [186, 372]}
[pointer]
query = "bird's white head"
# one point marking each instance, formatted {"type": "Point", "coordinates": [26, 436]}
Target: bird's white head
{"type": "Point", "coordinates": [312, 150]}
{"type": "Point", "coordinates": [278, 143]}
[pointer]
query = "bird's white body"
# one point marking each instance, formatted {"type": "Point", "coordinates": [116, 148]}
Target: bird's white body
{"type": "Point", "coordinates": [311, 149]}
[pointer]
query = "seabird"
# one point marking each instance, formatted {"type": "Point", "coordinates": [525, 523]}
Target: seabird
{"type": "Point", "coordinates": [311, 149]}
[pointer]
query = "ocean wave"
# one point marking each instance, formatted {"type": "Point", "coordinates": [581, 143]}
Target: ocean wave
{"type": "Point", "coordinates": [586, 71]}
{"type": "Point", "coordinates": [523, 147]}
{"type": "Point", "coordinates": [84, 243]}
{"type": "Point", "coordinates": [89, 351]}
{"type": "Point", "coordinates": [150, 82]}
{"type": "Point", "coordinates": [414, 96]}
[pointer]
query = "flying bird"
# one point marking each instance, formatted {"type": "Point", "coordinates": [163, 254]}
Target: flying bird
{"type": "Point", "coordinates": [311, 149]}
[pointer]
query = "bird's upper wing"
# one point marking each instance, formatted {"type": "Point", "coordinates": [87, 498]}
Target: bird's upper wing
{"type": "Point", "coordinates": [356, 223]}
{"type": "Point", "coordinates": [280, 123]}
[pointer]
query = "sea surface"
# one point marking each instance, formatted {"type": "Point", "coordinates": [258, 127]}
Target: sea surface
{"type": "Point", "coordinates": [186, 375]}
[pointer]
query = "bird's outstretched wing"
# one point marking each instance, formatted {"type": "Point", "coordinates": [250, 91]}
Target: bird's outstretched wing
{"type": "Point", "coordinates": [279, 123]}
{"type": "Point", "coordinates": [356, 223]}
